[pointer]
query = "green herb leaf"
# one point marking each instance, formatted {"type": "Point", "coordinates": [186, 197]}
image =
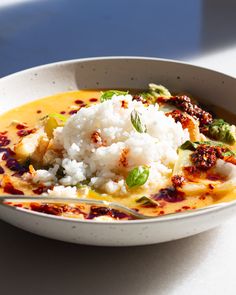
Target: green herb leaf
{"type": "Point", "coordinates": [192, 146]}
{"type": "Point", "coordinates": [83, 183]}
{"type": "Point", "coordinates": [145, 201]}
{"type": "Point", "coordinates": [189, 145]}
{"type": "Point", "coordinates": [109, 93]}
{"type": "Point", "coordinates": [158, 90]}
{"type": "Point", "coordinates": [137, 123]}
{"type": "Point", "coordinates": [211, 143]}
{"type": "Point", "coordinates": [137, 176]}
{"type": "Point", "coordinates": [221, 130]}
{"type": "Point", "coordinates": [229, 153]}
{"type": "Point", "coordinates": [148, 97]}
{"type": "Point", "coordinates": [155, 91]}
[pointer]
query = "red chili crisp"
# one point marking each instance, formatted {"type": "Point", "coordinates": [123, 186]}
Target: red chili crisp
{"type": "Point", "coordinates": [1, 170]}
{"type": "Point", "coordinates": [7, 153]}
{"type": "Point", "coordinates": [73, 112]}
{"type": "Point", "coordinates": [93, 99]}
{"type": "Point", "coordinates": [9, 188]}
{"type": "Point", "coordinates": [4, 140]}
{"type": "Point", "coordinates": [21, 126]}
{"type": "Point", "coordinates": [104, 211]}
{"type": "Point", "coordinates": [25, 132]}
{"type": "Point", "coordinates": [78, 101]}
{"type": "Point", "coordinates": [169, 195]}
{"type": "Point", "coordinates": [3, 132]}
{"type": "Point", "coordinates": [41, 189]}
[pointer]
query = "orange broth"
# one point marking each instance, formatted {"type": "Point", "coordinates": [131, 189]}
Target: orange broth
{"type": "Point", "coordinates": [66, 104]}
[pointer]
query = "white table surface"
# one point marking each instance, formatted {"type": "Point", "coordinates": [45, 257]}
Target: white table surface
{"type": "Point", "coordinates": [31, 33]}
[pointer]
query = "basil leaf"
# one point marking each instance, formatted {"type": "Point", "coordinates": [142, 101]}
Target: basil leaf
{"type": "Point", "coordinates": [158, 90]}
{"type": "Point", "coordinates": [148, 97]}
{"type": "Point", "coordinates": [137, 176]}
{"type": "Point", "coordinates": [189, 145]}
{"type": "Point", "coordinates": [83, 183]}
{"type": "Point", "coordinates": [221, 130]}
{"type": "Point", "coordinates": [211, 143]}
{"type": "Point", "coordinates": [145, 201]}
{"type": "Point", "coordinates": [192, 146]}
{"type": "Point", "coordinates": [154, 92]}
{"type": "Point", "coordinates": [107, 95]}
{"type": "Point", "coordinates": [137, 123]}
{"type": "Point", "coordinates": [229, 153]}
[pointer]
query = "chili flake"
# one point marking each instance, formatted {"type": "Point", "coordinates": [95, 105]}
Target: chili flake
{"type": "Point", "coordinates": [4, 140]}
{"type": "Point", "coordinates": [93, 99]}
{"type": "Point", "coordinates": [10, 189]}
{"type": "Point", "coordinates": [205, 156]}
{"type": "Point", "coordinates": [123, 161]}
{"type": "Point", "coordinates": [124, 104]}
{"type": "Point", "coordinates": [169, 195]}
{"type": "Point", "coordinates": [78, 101]}
{"type": "Point", "coordinates": [179, 117]}
{"type": "Point", "coordinates": [25, 132]}
{"type": "Point", "coordinates": [184, 103]}
{"type": "Point", "coordinates": [177, 180]}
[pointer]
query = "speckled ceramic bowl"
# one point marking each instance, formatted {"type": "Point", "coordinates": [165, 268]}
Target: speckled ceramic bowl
{"type": "Point", "coordinates": [117, 72]}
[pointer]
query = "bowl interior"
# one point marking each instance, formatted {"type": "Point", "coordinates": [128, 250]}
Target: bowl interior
{"type": "Point", "coordinates": [208, 86]}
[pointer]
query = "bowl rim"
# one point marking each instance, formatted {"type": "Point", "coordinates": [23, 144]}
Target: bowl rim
{"type": "Point", "coordinates": [166, 218]}
{"type": "Point", "coordinates": [104, 58]}
{"type": "Point", "coordinates": [158, 219]}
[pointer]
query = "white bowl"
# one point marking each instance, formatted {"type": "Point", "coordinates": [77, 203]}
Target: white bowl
{"type": "Point", "coordinates": [117, 72]}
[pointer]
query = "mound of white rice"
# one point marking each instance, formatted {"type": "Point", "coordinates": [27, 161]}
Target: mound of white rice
{"type": "Point", "coordinates": [101, 145]}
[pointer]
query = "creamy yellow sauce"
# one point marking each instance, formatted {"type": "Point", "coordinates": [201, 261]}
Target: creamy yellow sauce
{"type": "Point", "coordinates": [64, 103]}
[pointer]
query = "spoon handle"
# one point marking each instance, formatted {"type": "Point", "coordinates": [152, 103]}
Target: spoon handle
{"type": "Point", "coordinates": [112, 205]}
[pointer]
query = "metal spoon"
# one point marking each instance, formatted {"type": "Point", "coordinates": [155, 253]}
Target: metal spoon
{"type": "Point", "coordinates": [112, 205]}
